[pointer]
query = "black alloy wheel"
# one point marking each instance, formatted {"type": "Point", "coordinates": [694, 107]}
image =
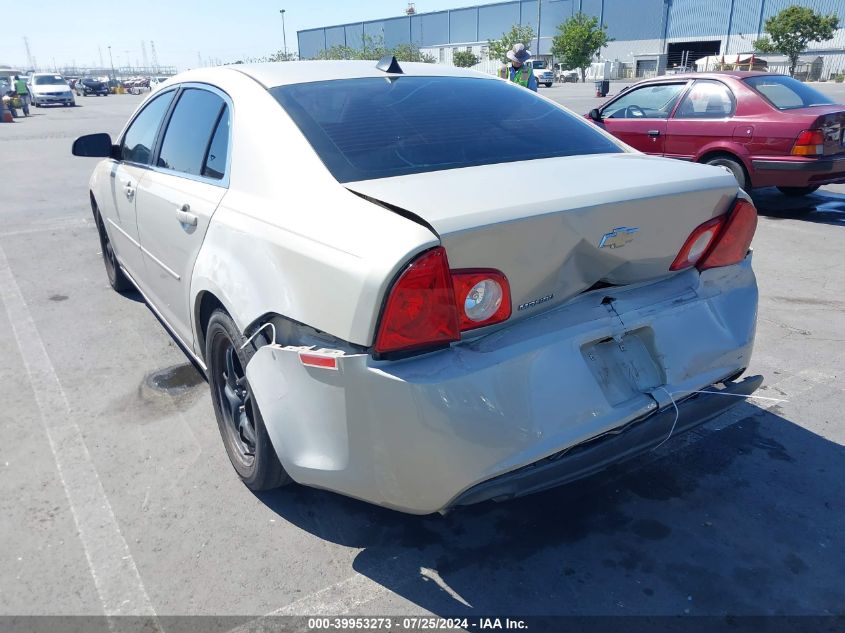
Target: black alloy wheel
{"type": "Point", "coordinates": [117, 280]}
{"type": "Point", "coordinates": [238, 416]}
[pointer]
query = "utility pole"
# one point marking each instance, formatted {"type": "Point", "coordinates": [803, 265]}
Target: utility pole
{"type": "Point", "coordinates": [155, 57]}
{"type": "Point", "coordinates": [111, 61]}
{"type": "Point", "coordinates": [284, 34]}
{"type": "Point", "coordinates": [144, 54]}
{"type": "Point", "coordinates": [539, 8]}
{"type": "Point", "coordinates": [199, 60]}
{"type": "Point", "coordinates": [29, 59]}
{"type": "Point", "coordinates": [100, 50]}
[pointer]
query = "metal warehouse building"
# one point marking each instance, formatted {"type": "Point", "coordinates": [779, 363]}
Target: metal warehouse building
{"type": "Point", "coordinates": [649, 35]}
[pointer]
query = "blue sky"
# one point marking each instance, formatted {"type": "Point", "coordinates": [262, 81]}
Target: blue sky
{"type": "Point", "coordinates": [71, 30]}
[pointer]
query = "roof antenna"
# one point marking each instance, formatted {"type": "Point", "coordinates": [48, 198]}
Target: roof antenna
{"type": "Point", "coordinates": [389, 64]}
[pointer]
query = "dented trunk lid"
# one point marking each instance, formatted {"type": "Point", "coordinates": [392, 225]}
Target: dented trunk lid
{"type": "Point", "coordinates": [557, 227]}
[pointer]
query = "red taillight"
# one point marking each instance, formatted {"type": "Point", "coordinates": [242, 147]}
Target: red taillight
{"type": "Point", "coordinates": [698, 243]}
{"type": "Point", "coordinates": [809, 143]}
{"type": "Point", "coordinates": [722, 241]}
{"type": "Point", "coordinates": [483, 297]}
{"type": "Point", "coordinates": [734, 240]}
{"type": "Point", "coordinates": [430, 305]}
{"type": "Point", "coordinates": [420, 311]}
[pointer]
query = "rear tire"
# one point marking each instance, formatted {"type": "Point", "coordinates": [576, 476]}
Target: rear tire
{"type": "Point", "coordinates": [795, 192]}
{"type": "Point", "coordinates": [117, 280]}
{"type": "Point", "coordinates": [241, 426]}
{"type": "Point", "coordinates": [734, 165]}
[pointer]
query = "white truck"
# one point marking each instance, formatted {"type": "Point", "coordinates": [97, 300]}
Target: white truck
{"type": "Point", "coordinates": [544, 74]}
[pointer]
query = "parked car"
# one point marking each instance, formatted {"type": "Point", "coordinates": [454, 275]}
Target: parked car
{"type": "Point", "coordinates": [568, 76]}
{"type": "Point", "coordinates": [380, 312]}
{"type": "Point", "coordinates": [89, 86]}
{"type": "Point", "coordinates": [544, 74]}
{"type": "Point", "coordinates": [769, 130]}
{"type": "Point", "coordinates": [50, 89]}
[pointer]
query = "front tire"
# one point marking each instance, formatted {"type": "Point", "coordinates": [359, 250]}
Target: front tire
{"type": "Point", "coordinates": [238, 417]}
{"type": "Point", "coordinates": [795, 192]}
{"type": "Point", "coordinates": [734, 165]}
{"type": "Point", "coordinates": [549, 85]}
{"type": "Point", "coordinates": [117, 280]}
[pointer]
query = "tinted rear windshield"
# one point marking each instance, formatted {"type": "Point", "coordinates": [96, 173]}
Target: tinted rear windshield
{"type": "Point", "coordinates": [378, 127]}
{"type": "Point", "coordinates": [786, 93]}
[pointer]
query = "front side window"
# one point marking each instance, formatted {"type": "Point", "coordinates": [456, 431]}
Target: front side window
{"type": "Point", "coordinates": [648, 102]}
{"type": "Point", "coordinates": [380, 127]}
{"type": "Point", "coordinates": [137, 145]}
{"type": "Point", "coordinates": [786, 93]}
{"type": "Point", "coordinates": [189, 131]}
{"type": "Point", "coordinates": [706, 100]}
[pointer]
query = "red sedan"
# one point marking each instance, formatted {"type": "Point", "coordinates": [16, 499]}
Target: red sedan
{"type": "Point", "coordinates": [769, 130]}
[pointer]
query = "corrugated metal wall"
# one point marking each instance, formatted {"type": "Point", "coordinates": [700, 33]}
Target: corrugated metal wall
{"type": "Point", "coordinates": [638, 26]}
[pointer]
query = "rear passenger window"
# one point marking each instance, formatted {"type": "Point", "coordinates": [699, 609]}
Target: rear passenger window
{"type": "Point", "coordinates": [215, 162]}
{"type": "Point", "coordinates": [189, 131]}
{"type": "Point", "coordinates": [706, 100]}
{"type": "Point", "coordinates": [137, 145]}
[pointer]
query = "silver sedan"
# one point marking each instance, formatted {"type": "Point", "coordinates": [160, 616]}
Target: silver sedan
{"type": "Point", "coordinates": [383, 303]}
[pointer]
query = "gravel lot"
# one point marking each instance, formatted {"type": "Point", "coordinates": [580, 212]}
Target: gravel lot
{"type": "Point", "coordinates": [116, 494]}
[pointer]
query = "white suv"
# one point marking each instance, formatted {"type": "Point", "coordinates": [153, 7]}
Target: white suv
{"type": "Point", "coordinates": [50, 88]}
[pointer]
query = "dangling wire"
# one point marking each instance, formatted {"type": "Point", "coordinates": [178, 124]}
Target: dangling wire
{"type": "Point", "coordinates": [675, 422]}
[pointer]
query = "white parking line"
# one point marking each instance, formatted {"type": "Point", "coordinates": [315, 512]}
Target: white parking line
{"type": "Point", "coordinates": [111, 564]}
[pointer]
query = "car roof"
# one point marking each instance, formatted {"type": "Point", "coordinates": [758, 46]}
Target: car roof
{"type": "Point", "coordinates": [274, 74]}
{"type": "Point", "coordinates": [715, 74]}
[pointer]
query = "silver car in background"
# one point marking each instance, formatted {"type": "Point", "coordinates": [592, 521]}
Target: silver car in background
{"type": "Point", "coordinates": [384, 305]}
{"type": "Point", "coordinates": [50, 89]}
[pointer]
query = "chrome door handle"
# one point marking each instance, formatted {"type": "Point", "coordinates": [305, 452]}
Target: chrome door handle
{"type": "Point", "coordinates": [184, 215]}
{"type": "Point", "coordinates": [129, 189]}
{"type": "Point", "coordinates": [654, 133]}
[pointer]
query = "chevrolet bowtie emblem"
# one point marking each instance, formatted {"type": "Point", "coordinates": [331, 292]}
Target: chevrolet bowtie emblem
{"type": "Point", "coordinates": [618, 237]}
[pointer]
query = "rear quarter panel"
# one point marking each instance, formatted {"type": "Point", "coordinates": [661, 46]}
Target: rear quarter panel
{"type": "Point", "coordinates": [289, 239]}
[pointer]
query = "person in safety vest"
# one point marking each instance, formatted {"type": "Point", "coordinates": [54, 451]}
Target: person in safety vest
{"type": "Point", "coordinates": [23, 93]}
{"type": "Point", "coordinates": [518, 71]}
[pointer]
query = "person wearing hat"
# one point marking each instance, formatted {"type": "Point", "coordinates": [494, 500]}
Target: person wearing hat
{"type": "Point", "coordinates": [519, 71]}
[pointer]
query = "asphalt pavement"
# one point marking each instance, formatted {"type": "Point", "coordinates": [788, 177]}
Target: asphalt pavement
{"type": "Point", "coordinates": [116, 495]}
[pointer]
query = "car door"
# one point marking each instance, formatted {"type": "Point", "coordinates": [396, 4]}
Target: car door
{"type": "Point", "coordinates": [704, 115]}
{"type": "Point", "coordinates": [639, 116]}
{"type": "Point", "coordinates": [134, 155]}
{"type": "Point", "coordinates": [178, 197]}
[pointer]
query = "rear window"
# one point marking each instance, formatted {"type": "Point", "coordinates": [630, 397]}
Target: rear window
{"type": "Point", "coordinates": [786, 93]}
{"type": "Point", "coordinates": [380, 127]}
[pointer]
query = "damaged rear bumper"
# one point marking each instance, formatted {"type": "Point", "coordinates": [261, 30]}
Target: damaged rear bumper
{"type": "Point", "coordinates": [596, 454]}
{"type": "Point", "coordinates": [426, 433]}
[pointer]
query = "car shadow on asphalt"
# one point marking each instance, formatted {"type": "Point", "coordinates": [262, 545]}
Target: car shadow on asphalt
{"type": "Point", "coordinates": [821, 207]}
{"type": "Point", "coordinates": [743, 520]}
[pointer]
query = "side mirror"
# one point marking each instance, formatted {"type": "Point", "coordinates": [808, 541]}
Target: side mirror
{"type": "Point", "coordinates": [595, 115]}
{"type": "Point", "coordinates": [95, 145]}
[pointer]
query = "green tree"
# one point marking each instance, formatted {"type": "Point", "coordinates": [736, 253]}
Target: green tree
{"type": "Point", "coordinates": [792, 29]}
{"type": "Point", "coordinates": [519, 34]}
{"type": "Point", "coordinates": [579, 39]}
{"type": "Point", "coordinates": [373, 48]}
{"type": "Point", "coordinates": [464, 59]}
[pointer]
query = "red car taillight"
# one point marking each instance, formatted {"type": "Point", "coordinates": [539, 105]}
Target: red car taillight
{"type": "Point", "coordinates": [809, 143]}
{"type": "Point", "coordinates": [429, 305]}
{"type": "Point", "coordinates": [722, 241]}
{"type": "Point", "coordinates": [483, 297]}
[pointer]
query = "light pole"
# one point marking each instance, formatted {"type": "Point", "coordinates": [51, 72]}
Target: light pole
{"type": "Point", "coordinates": [284, 34]}
{"type": "Point", "coordinates": [111, 62]}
